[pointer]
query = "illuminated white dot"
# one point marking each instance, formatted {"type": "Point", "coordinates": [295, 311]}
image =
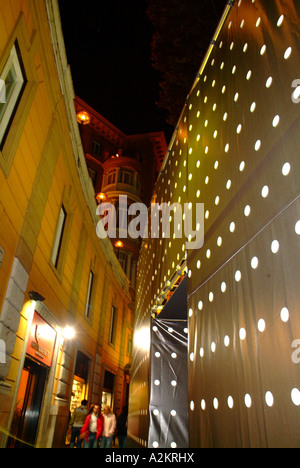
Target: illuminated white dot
{"type": "Point", "coordinates": [226, 341]}
{"type": "Point", "coordinates": [216, 403]}
{"type": "Point", "coordinates": [213, 347]}
{"type": "Point", "coordinates": [247, 210]}
{"type": "Point", "coordinates": [295, 395]}
{"type": "Point", "coordinates": [269, 82]}
{"type": "Point", "coordinates": [223, 287]}
{"type": "Point", "coordinates": [232, 227]}
{"type": "Point", "coordinates": [296, 93]}
{"type": "Point", "coordinates": [276, 121]}
{"type": "Point", "coordinates": [157, 354]}
{"type": "Point", "coordinates": [269, 398]}
{"type": "Point", "coordinates": [280, 20]}
{"type": "Point", "coordinates": [238, 276]}
{"type": "Point", "coordinates": [285, 314]}
{"type": "Point", "coordinates": [261, 325]}
{"type": "Point", "coordinates": [173, 413]}
{"type": "Point", "coordinates": [253, 107]}
{"type": "Point", "coordinates": [286, 168]}
{"type": "Point", "coordinates": [203, 405]}
{"type": "Point", "coordinates": [156, 412]}
{"type": "Point", "coordinates": [243, 334]}
{"type": "Point", "coordinates": [173, 445]}
{"type": "Point", "coordinates": [190, 312]}
{"type": "Point", "coordinates": [257, 145]}
{"type": "Point", "coordinates": [254, 263]}
{"type": "Point", "coordinates": [155, 444]}
{"type": "Point", "coordinates": [174, 383]}
{"type": "Point", "coordinates": [297, 228]}
{"type": "Point", "coordinates": [200, 305]}
{"type": "Point", "coordinates": [242, 166]}
{"type": "Point", "coordinates": [265, 191]}
{"type": "Point", "coordinates": [174, 356]}
{"type": "Point", "coordinates": [157, 383]}
{"type": "Point", "coordinates": [192, 406]}
{"type": "Point", "coordinates": [211, 297]}
{"type": "Point", "coordinates": [201, 352]}
{"type": "Point", "coordinates": [230, 402]}
{"type": "Point", "coordinates": [263, 49]}
{"type": "Point", "coordinates": [275, 246]}
{"type": "Point", "coordinates": [192, 357]}
{"type": "Point", "coordinates": [288, 53]}
{"type": "Point", "coordinates": [248, 400]}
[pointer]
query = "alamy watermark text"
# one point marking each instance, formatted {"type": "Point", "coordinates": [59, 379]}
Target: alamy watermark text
{"type": "Point", "coordinates": [136, 221]}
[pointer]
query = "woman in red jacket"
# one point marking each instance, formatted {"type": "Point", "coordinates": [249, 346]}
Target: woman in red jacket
{"type": "Point", "coordinates": [92, 427]}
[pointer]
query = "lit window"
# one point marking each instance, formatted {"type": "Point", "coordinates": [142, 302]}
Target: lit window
{"type": "Point", "coordinates": [13, 80]}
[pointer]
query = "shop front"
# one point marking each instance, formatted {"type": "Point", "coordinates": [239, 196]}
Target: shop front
{"type": "Point", "coordinates": [80, 386]}
{"type": "Point", "coordinates": [33, 381]}
{"type": "Point", "coordinates": [108, 389]}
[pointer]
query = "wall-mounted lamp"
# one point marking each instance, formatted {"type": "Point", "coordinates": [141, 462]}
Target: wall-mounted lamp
{"type": "Point", "coordinates": [35, 296]}
{"type": "Point", "coordinates": [68, 333]}
{"type": "Point", "coordinates": [100, 197]}
{"type": "Point", "coordinates": [83, 118]}
{"type": "Point", "coordinates": [119, 244]}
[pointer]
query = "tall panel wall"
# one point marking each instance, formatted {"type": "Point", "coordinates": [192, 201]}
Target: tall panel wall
{"type": "Point", "coordinates": [236, 150]}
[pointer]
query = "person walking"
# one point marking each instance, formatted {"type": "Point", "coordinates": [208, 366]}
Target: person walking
{"type": "Point", "coordinates": [76, 423]}
{"type": "Point", "coordinates": [109, 428]}
{"type": "Point", "coordinates": [122, 427]}
{"type": "Point", "coordinates": [92, 427]}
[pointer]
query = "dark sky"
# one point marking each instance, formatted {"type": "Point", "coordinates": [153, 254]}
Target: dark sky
{"type": "Point", "coordinates": [108, 44]}
{"type": "Point", "coordinates": [108, 47]}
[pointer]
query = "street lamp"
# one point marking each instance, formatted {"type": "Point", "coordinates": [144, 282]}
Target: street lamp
{"type": "Point", "coordinates": [68, 333]}
{"type": "Point", "coordinates": [100, 197]}
{"type": "Point", "coordinates": [119, 245]}
{"type": "Point", "coordinates": [83, 118]}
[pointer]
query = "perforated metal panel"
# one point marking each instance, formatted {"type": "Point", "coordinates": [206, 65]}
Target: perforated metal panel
{"type": "Point", "coordinates": [237, 151]}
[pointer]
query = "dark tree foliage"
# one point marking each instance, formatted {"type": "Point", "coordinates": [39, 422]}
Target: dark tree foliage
{"type": "Point", "coordinates": [183, 30]}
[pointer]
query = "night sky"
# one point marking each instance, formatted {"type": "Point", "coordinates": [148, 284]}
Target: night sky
{"type": "Point", "coordinates": [108, 46]}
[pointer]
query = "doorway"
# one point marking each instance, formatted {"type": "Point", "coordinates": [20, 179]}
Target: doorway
{"type": "Point", "coordinates": [29, 401]}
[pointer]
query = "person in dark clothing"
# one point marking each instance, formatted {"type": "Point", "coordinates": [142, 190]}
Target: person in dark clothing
{"type": "Point", "coordinates": [76, 423]}
{"type": "Point", "coordinates": [122, 427]}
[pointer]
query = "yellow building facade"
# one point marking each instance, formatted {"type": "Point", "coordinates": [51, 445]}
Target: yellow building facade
{"type": "Point", "coordinates": [56, 275]}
